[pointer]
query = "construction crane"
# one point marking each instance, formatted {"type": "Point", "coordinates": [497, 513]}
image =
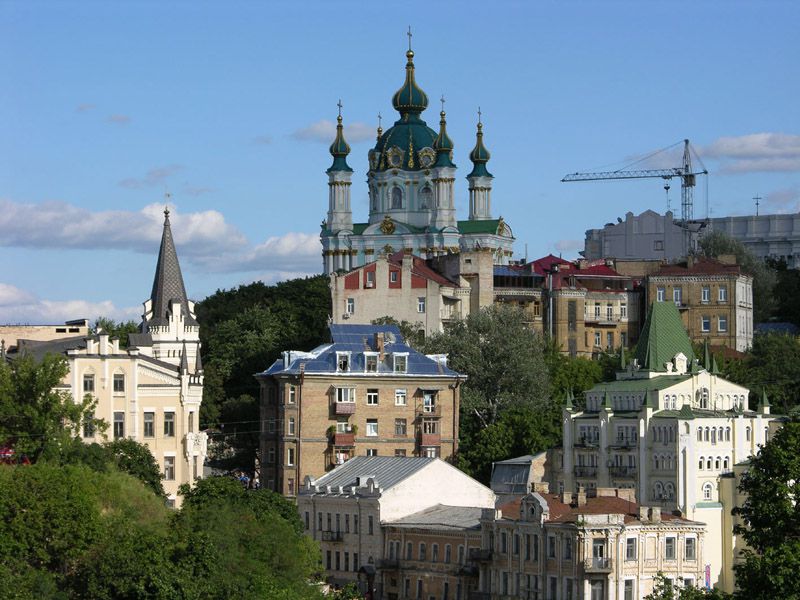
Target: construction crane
{"type": "Point", "coordinates": [685, 172]}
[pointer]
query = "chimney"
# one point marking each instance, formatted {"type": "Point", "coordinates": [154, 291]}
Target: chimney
{"type": "Point", "coordinates": [379, 342]}
{"type": "Point", "coordinates": [103, 343]}
{"type": "Point", "coordinates": [727, 259]}
{"type": "Point", "coordinates": [540, 487]}
{"type": "Point", "coordinates": [643, 513]}
{"type": "Point", "coordinates": [566, 497]}
{"type": "Point", "coordinates": [689, 261]}
{"type": "Point", "coordinates": [655, 514]}
{"type": "Point", "coordinates": [581, 496]}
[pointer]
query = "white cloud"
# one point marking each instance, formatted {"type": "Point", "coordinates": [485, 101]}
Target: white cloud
{"type": "Point", "coordinates": [197, 190]}
{"type": "Point", "coordinates": [325, 131]}
{"type": "Point", "coordinates": [568, 245]}
{"type": "Point", "coordinates": [784, 201]}
{"type": "Point", "coordinates": [153, 177]}
{"type": "Point", "coordinates": [61, 225]}
{"type": "Point", "coordinates": [756, 152]}
{"type": "Point", "coordinates": [292, 254]}
{"type": "Point", "coordinates": [21, 307]}
{"type": "Point", "coordinates": [119, 119]}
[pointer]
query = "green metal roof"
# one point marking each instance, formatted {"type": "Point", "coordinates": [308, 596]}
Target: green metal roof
{"type": "Point", "coordinates": [479, 226]}
{"type": "Point", "coordinates": [639, 385]}
{"type": "Point", "coordinates": [663, 336]}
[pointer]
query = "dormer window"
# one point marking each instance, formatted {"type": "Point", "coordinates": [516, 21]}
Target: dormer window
{"type": "Point", "coordinates": [342, 362]}
{"type": "Point", "coordinates": [370, 362]}
{"type": "Point", "coordinates": [400, 362]}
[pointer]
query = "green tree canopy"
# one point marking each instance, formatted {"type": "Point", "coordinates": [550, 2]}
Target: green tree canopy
{"type": "Point", "coordinates": [117, 329]}
{"type": "Point", "coordinates": [771, 519]}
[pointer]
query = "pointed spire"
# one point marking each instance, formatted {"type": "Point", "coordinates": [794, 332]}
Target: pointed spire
{"type": "Point", "coordinates": [714, 367]}
{"type": "Point", "coordinates": [410, 100]}
{"type": "Point", "coordinates": [706, 356]}
{"type": "Point", "coordinates": [607, 402]}
{"type": "Point", "coordinates": [443, 144]}
{"type": "Point", "coordinates": [198, 363]}
{"type": "Point", "coordinates": [479, 155]}
{"type": "Point", "coordinates": [568, 403]}
{"type": "Point", "coordinates": [339, 148]}
{"type": "Point", "coordinates": [764, 399]}
{"type": "Point", "coordinates": [168, 282]}
{"type": "Point", "coordinates": [184, 360]}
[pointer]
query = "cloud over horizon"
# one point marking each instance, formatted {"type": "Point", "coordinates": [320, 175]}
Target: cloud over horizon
{"type": "Point", "coordinates": [755, 152]}
{"type": "Point", "coordinates": [153, 177]}
{"type": "Point", "coordinates": [324, 131]}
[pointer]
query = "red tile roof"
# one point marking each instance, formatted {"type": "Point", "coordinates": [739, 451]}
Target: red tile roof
{"type": "Point", "coordinates": [420, 267]}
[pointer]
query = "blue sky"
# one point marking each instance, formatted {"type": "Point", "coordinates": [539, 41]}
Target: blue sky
{"type": "Point", "coordinates": [230, 107]}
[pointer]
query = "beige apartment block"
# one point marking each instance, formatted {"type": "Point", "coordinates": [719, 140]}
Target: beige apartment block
{"type": "Point", "coordinates": [149, 392]}
{"type": "Point", "coordinates": [362, 513]}
{"type": "Point", "coordinates": [599, 545]}
{"type": "Point", "coordinates": [365, 393]}
{"type": "Point", "coordinates": [714, 297]}
{"type": "Point", "coordinates": [9, 334]}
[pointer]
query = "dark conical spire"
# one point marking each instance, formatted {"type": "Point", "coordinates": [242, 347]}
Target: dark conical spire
{"type": "Point", "coordinates": [184, 360]}
{"type": "Point", "coordinates": [168, 281]}
{"type": "Point", "coordinates": [198, 364]}
{"type": "Point", "coordinates": [706, 356]}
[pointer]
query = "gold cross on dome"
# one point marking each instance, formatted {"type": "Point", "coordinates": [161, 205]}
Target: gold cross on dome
{"type": "Point", "coordinates": [409, 37]}
{"type": "Point", "coordinates": [442, 101]}
{"type": "Point", "coordinates": [339, 104]}
{"type": "Point", "coordinates": [479, 114]}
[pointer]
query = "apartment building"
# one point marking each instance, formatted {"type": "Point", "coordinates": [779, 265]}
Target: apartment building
{"type": "Point", "coordinates": [714, 297]}
{"type": "Point", "coordinates": [668, 428]}
{"type": "Point", "coordinates": [594, 545]}
{"type": "Point", "coordinates": [366, 512]}
{"type": "Point", "coordinates": [365, 393]}
{"type": "Point", "coordinates": [150, 391]}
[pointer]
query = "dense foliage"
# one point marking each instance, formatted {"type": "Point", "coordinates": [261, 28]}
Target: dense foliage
{"type": "Point", "coordinates": [117, 329]}
{"type": "Point", "coordinates": [663, 589]}
{"type": "Point", "coordinates": [771, 519]}
{"type": "Point", "coordinates": [244, 330]}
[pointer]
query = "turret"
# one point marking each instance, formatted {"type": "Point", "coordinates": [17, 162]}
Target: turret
{"type": "Point", "coordinates": [444, 177]}
{"type": "Point", "coordinates": [340, 215]}
{"type": "Point", "coordinates": [480, 180]}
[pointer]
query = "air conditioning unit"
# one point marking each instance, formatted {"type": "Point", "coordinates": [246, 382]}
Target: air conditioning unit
{"type": "Point", "coordinates": [346, 316]}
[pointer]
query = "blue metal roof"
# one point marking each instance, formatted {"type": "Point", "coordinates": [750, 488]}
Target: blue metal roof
{"type": "Point", "coordinates": [358, 340]}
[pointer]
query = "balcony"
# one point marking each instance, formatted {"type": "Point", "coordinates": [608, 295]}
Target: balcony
{"type": "Point", "coordinates": [344, 408]}
{"type": "Point", "coordinates": [430, 439]}
{"type": "Point", "coordinates": [429, 411]}
{"type": "Point", "coordinates": [347, 440]}
{"type": "Point", "coordinates": [388, 564]}
{"type": "Point", "coordinates": [332, 536]}
{"type": "Point", "coordinates": [623, 444]}
{"type": "Point", "coordinates": [597, 565]}
{"type": "Point", "coordinates": [480, 554]}
{"type": "Point", "coordinates": [585, 442]}
{"type": "Point", "coordinates": [621, 471]}
{"type": "Point", "coordinates": [585, 471]}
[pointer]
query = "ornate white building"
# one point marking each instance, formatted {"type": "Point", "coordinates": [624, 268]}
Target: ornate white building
{"type": "Point", "coordinates": [411, 193]}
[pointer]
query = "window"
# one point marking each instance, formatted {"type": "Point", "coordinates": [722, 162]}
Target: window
{"type": "Point", "coordinates": [400, 428]}
{"type": "Point", "coordinates": [119, 383]}
{"type": "Point", "coordinates": [169, 468]}
{"type": "Point", "coordinates": [708, 491]}
{"type": "Point", "coordinates": [397, 198]}
{"type": "Point", "coordinates": [691, 548]}
{"type": "Point", "coordinates": [551, 547]}
{"type": "Point", "coordinates": [372, 452]}
{"type": "Point", "coordinates": [432, 452]}
{"type": "Point", "coordinates": [191, 422]}
{"type": "Point", "coordinates": [567, 549]}
{"type": "Point", "coordinates": [461, 555]}
{"type": "Point", "coordinates": [292, 394]}
{"type": "Point", "coordinates": [346, 395]}
{"type": "Point", "coordinates": [350, 306]}
{"type": "Point", "coordinates": [661, 294]}
{"type": "Point", "coordinates": [705, 294]}
{"type": "Point", "coordinates": [88, 425]}
{"type": "Point", "coordinates": [169, 424]}
{"type": "Point", "coordinates": [88, 384]}
{"type": "Point", "coordinates": [423, 552]}
{"type": "Point", "coordinates": [434, 552]}
{"type": "Point", "coordinates": [448, 551]}
{"type": "Point", "coordinates": [677, 296]}
{"type": "Point", "coordinates": [723, 293]}
{"type": "Point", "coordinates": [372, 397]}
{"type": "Point", "coordinates": [669, 548]}
{"type": "Point", "coordinates": [623, 310]}
{"type": "Point", "coordinates": [400, 363]}
{"type": "Point", "coordinates": [722, 324]}
{"type": "Point", "coordinates": [409, 550]}
{"type": "Point", "coordinates": [597, 339]}
{"type": "Point", "coordinates": [400, 398]}
{"type": "Point", "coordinates": [705, 323]}
{"type": "Point", "coordinates": [628, 590]}
{"type": "Point", "coordinates": [290, 426]}
{"type": "Point", "coordinates": [630, 549]}
{"type": "Point", "coordinates": [503, 542]}
{"type": "Point", "coordinates": [609, 340]}
{"type": "Point", "coordinates": [271, 454]}
{"type": "Point", "coordinates": [609, 312]}
{"type": "Point", "coordinates": [597, 310]}
{"type": "Point", "coordinates": [290, 458]}
{"type": "Point", "coordinates": [342, 362]}
{"type": "Point", "coordinates": [372, 427]}
{"type": "Point", "coordinates": [371, 363]}
{"type": "Point", "coordinates": [393, 276]}
{"type": "Point", "coordinates": [429, 402]}
{"type": "Point", "coordinates": [119, 425]}
{"type": "Point", "coordinates": [370, 525]}
{"type": "Point", "coordinates": [421, 305]}
{"type": "Point", "coordinates": [149, 424]}
{"type": "Point", "coordinates": [399, 452]}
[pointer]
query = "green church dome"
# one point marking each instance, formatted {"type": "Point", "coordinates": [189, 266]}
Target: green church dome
{"type": "Point", "coordinates": [479, 156]}
{"type": "Point", "coordinates": [443, 144]}
{"type": "Point", "coordinates": [339, 149]}
{"type": "Point", "coordinates": [410, 98]}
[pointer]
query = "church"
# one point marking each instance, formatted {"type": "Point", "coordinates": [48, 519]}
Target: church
{"type": "Point", "coordinates": [411, 177]}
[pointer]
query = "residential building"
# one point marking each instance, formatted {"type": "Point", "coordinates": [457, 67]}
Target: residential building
{"type": "Point", "coordinates": [653, 236]}
{"type": "Point", "coordinates": [515, 477]}
{"type": "Point", "coordinates": [410, 181]}
{"type": "Point", "coordinates": [9, 334]}
{"type": "Point", "coordinates": [597, 545]}
{"type": "Point", "coordinates": [668, 428]}
{"type": "Point", "coordinates": [365, 393]}
{"type": "Point", "coordinates": [150, 391]}
{"type": "Point", "coordinates": [714, 297]}
{"type": "Point", "coordinates": [366, 511]}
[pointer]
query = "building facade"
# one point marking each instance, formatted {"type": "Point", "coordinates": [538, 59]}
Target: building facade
{"type": "Point", "coordinates": [668, 428]}
{"type": "Point", "coordinates": [410, 181]}
{"type": "Point", "coordinates": [356, 510]}
{"type": "Point", "coordinates": [365, 393]}
{"type": "Point", "coordinates": [150, 391]}
{"type": "Point", "coordinates": [599, 545]}
{"type": "Point", "coordinates": [715, 300]}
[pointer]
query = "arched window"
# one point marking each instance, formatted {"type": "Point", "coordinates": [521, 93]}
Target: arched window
{"type": "Point", "coordinates": [708, 491]}
{"type": "Point", "coordinates": [716, 463]}
{"type": "Point", "coordinates": [656, 462]}
{"type": "Point", "coordinates": [708, 463]}
{"type": "Point", "coordinates": [669, 491]}
{"type": "Point", "coordinates": [700, 463]}
{"type": "Point", "coordinates": [727, 434]}
{"type": "Point", "coordinates": [766, 434]}
{"type": "Point", "coordinates": [706, 434]}
{"type": "Point", "coordinates": [674, 401]}
{"type": "Point", "coordinates": [721, 434]}
{"type": "Point", "coordinates": [699, 434]}
{"type": "Point", "coordinates": [747, 434]}
{"type": "Point", "coordinates": [713, 435]}
{"type": "Point", "coordinates": [397, 198]}
{"type": "Point", "coordinates": [425, 198]}
{"type": "Point", "coordinates": [726, 463]}
{"type": "Point", "coordinates": [704, 398]}
{"type": "Point", "coordinates": [658, 491]}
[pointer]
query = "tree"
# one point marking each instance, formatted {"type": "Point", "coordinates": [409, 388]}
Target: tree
{"type": "Point", "coordinates": [663, 589]}
{"type": "Point", "coordinates": [135, 459]}
{"type": "Point", "coordinates": [117, 329]}
{"type": "Point", "coordinates": [413, 333]}
{"type": "Point", "coordinates": [770, 518]}
{"type": "Point", "coordinates": [35, 415]}
{"type": "Point", "coordinates": [717, 243]}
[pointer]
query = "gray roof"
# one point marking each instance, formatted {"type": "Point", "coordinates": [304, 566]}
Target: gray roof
{"type": "Point", "coordinates": [520, 460]}
{"type": "Point", "coordinates": [358, 339]}
{"type": "Point", "coordinates": [168, 281]}
{"type": "Point", "coordinates": [37, 349]}
{"type": "Point", "coordinates": [442, 516]}
{"type": "Point", "coordinates": [387, 471]}
{"type": "Point", "coordinates": [139, 339]}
